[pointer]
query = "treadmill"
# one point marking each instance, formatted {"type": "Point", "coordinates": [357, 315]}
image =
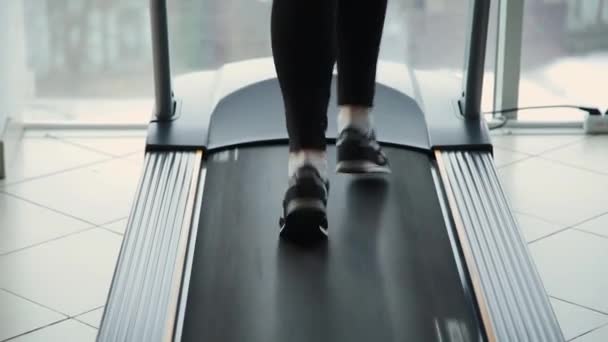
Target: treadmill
{"type": "Point", "coordinates": [431, 252]}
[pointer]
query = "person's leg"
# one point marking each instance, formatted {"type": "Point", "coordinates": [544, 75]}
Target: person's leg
{"type": "Point", "coordinates": [359, 28]}
{"type": "Point", "coordinates": [303, 36]}
{"type": "Point", "coordinates": [359, 32]}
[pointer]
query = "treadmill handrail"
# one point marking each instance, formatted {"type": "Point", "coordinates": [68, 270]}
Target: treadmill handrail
{"type": "Point", "coordinates": [476, 55]}
{"type": "Point", "coordinates": [164, 108]}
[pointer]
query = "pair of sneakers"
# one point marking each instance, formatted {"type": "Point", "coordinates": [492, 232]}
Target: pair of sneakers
{"type": "Point", "coordinates": [304, 206]}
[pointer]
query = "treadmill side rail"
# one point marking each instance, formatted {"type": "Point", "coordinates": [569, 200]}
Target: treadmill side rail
{"type": "Point", "coordinates": [146, 287]}
{"type": "Point", "coordinates": [513, 303]}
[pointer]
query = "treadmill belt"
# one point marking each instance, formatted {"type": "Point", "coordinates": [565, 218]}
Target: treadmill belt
{"type": "Point", "coordinates": [387, 272]}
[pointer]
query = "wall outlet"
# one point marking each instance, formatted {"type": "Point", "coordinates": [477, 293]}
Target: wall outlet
{"type": "Point", "coordinates": [596, 124]}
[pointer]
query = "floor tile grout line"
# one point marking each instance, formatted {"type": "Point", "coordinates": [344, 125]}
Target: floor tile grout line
{"type": "Point", "coordinates": [85, 323]}
{"type": "Point", "coordinates": [76, 317]}
{"type": "Point", "coordinates": [115, 221]}
{"type": "Point", "coordinates": [34, 330]}
{"type": "Point", "coordinates": [21, 249]}
{"type": "Point", "coordinates": [88, 311]}
{"type": "Point", "coordinates": [90, 226]}
{"type": "Point", "coordinates": [50, 325]}
{"type": "Point", "coordinates": [509, 149]}
{"type": "Point", "coordinates": [88, 148]}
{"type": "Point", "coordinates": [571, 227]}
{"type": "Point", "coordinates": [590, 233]}
{"type": "Point", "coordinates": [54, 173]}
{"type": "Point", "coordinates": [112, 231]}
{"type": "Point", "coordinates": [525, 213]}
{"type": "Point", "coordinates": [574, 166]}
{"type": "Point", "coordinates": [34, 302]}
{"type": "Point", "coordinates": [583, 137]}
{"type": "Point", "coordinates": [66, 317]}
{"type": "Point", "coordinates": [541, 237]}
{"type": "Point", "coordinates": [49, 208]}
{"type": "Point", "coordinates": [580, 306]}
{"type": "Point", "coordinates": [550, 234]}
{"type": "Point", "coordinates": [129, 156]}
{"type": "Point", "coordinates": [66, 142]}
{"type": "Point", "coordinates": [590, 219]}
{"type": "Point", "coordinates": [514, 162]}
{"type": "Point", "coordinates": [106, 159]}
{"type": "Point", "coordinates": [83, 147]}
{"type": "Point", "coordinates": [558, 162]}
{"type": "Point", "coordinates": [555, 148]}
{"type": "Point", "coordinates": [588, 332]}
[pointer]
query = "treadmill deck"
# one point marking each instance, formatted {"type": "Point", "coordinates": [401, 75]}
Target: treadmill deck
{"type": "Point", "coordinates": [387, 272]}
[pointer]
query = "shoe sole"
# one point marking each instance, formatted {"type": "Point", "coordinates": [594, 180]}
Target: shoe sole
{"type": "Point", "coordinates": [361, 166]}
{"type": "Point", "coordinates": [305, 221]}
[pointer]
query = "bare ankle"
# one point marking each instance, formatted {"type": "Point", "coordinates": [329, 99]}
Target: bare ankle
{"type": "Point", "coordinates": [316, 158]}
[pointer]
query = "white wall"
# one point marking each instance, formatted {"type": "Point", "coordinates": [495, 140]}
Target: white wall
{"type": "Point", "coordinates": [15, 82]}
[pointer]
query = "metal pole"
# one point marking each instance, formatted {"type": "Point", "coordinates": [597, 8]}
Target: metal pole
{"type": "Point", "coordinates": [162, 66]}
{"type": "Point", "coordinates": [476, 59]}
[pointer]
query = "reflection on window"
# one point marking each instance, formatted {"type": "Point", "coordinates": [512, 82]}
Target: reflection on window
{"type": "Point", "coordinates": [82, 48]}
{"type": "Point", "coordinates": [208, 33]}
{"type": "Point", "coordinates": [564, 56]}
{"type": "Point", "coordinates": [92, 58]}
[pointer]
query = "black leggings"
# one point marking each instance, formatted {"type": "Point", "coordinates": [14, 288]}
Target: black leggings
{"type": "Point", "coordinates": [308, 36]}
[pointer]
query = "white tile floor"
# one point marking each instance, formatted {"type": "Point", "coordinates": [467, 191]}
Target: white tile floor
{"type": "Point", "coordinates": [63, 212]}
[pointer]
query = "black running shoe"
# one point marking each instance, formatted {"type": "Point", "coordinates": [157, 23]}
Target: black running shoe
{"type": "Point", "coordinates": [360, 153]}
{"type": "Point", "coordinates": [304, 207]}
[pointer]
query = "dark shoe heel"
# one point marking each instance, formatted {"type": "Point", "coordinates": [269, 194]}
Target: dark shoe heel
{"type": "Point", "coordinates": [304, 225]}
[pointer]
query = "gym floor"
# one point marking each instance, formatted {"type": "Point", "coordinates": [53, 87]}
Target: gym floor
{"type": "Point", "coordinates": [64, 205]}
